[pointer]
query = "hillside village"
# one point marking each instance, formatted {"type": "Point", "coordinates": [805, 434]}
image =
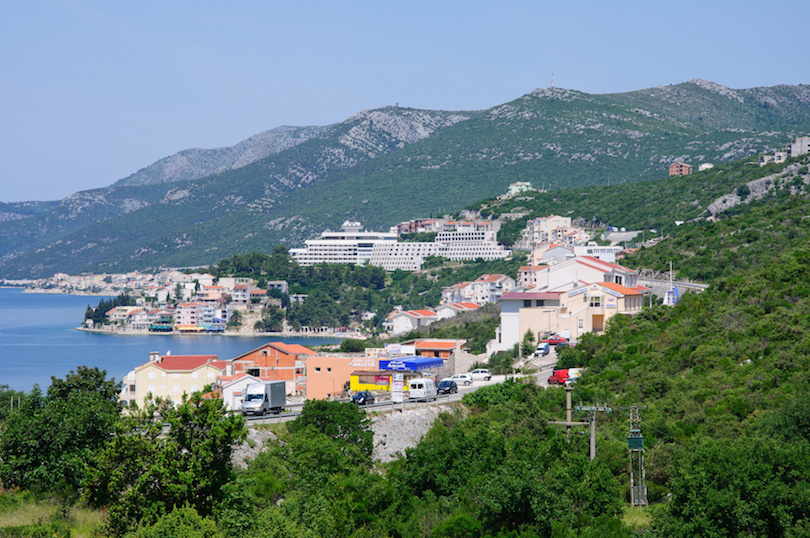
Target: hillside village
{"type": "Point", "coordinates": [572, 286]}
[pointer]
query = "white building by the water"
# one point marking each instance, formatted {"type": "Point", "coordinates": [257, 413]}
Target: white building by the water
{"type": "Point", "coordinates": [351, 245]}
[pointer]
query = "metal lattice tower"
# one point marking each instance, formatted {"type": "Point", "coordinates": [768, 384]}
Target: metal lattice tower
{"type": "Point", "coordinates": [635, 445]}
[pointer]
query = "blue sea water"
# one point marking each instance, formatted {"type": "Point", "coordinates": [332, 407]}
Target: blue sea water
{"type": "Point", "coordinates": [38, 340]}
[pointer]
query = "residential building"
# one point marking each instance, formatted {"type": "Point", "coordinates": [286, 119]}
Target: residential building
{"type": "Point", "coordinates": [350, 245]}
{"type": "Point", "coordinates": [171, 376]}
{"type": "Point", "coordinates": [436, 347]}
{"type": "Point", "coordinates": [519, 187]}
{"type": "Point", "coordinates": [775, 157]}
{"type": "Point", "coordinates": [119, 314]}
{"type": "Point", "coordinates": [402, 322]}
{"type": "Point", "coordinates": [553, 303]}
{"type": "Point", "coordinates": [489, 288]}
{"type": "Point", "coordinates": [276, 361]}
{"type": "Point", "coordinates": [188, 314]}
{"type": "Point", "coordinates": [680, 169]}
{"type": "Point", "coordinates": [584, 309]}
{"type": "Point", "coordinates": [457, 241]}
{"type": "Point", "coordinates": [457, 293]}
{"type": "Point", "coordinates": [605, 253]}
{"type": "Point", "coordinates": [280, 285]}
{"type": "Point", "coordinates": [798, 146]}
{"type": "Point", "coordinates": [241, 294]}
{"type": "Point", "coordinates": [231, 389]}
{"type": "Point", "coordinates": [329, 376]}
{"type": "Point", "coordinates": [453, 309]}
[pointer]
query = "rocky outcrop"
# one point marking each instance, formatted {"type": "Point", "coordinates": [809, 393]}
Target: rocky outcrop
{"type": "Point", "coordinates": [197, 163]}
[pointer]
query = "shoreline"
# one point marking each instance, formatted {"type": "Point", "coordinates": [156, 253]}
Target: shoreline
{"type": "Point", "coordinates": [63, 292]}
{"type": "Point", "coordinates": [248, 334]}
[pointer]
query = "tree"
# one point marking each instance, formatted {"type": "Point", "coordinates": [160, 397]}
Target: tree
{"type": "Point", "coordinates": [50, 439]}
{"type": "Point", "coordinates": [742, 487]}
{"type": "Point", "coordinates": [164, 456]}
{"type": "Point", "coordinates": [528, 343]}
{"type": "Point", "coordinates": [340, 421]}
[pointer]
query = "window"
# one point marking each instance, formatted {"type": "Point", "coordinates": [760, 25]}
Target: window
{"type": "Point", "coordinates": [539, 302]}
{"type": "Point", "coordinates": [580, 324]}
{"type": "Point", "coordinates": [596, 301]}
{"type": "Point", "coordinates": [317, 368]}
{"type": "Point", "coordinates": [527, 303]}
{"type": "Point", "coordinates": [328, 369]}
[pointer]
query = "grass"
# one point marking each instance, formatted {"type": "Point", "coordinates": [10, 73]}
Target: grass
{"type": "Point", "coordinates": [20, 511]}
{"type": "Point", "coordinates": [637, 517]}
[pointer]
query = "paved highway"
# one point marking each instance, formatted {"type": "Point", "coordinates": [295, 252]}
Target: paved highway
{"type": "Point", "coordinates": [545, 366]}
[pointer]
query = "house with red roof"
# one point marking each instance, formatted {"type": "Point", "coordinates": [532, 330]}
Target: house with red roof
{"type": "Point", "coordinates": [276, 361]}
{"type": "Point", "coordinates": [575, 297]}
{"type": "Point", "coordinates": [489, 288]}
{"type": "Point", "coordinates": [401, 322]}
{"type": "Point", "coordinates": [457, 293]}
{"type": "Point", "coordinates": [440, 348]}
{"type": "Point", "coordinates": [171, 376]}
{"type": "Point", "coordinates": [453, 309]}
{"type": "Point", "coordinates": [231, 388]}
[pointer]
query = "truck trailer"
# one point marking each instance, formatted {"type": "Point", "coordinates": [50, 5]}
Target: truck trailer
{"type": "Point", "coordinates": [265, 397]}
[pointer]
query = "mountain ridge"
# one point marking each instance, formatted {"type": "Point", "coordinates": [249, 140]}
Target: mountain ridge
{"type": "Point", "coordinates": [385, 165]}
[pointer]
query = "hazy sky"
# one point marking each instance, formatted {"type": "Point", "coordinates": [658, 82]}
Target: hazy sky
{"type": "Point", "coordinates": [95, 90]}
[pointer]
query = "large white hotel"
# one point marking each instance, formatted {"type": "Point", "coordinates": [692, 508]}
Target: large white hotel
{"type": "Point", "coordinates": [353, 245]}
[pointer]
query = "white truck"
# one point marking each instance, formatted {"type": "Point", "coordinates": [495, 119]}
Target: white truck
{"type": "Point", "coordinates": [265, 397]}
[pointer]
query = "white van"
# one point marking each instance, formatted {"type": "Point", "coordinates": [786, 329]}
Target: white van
{"type": "Point", "coordinates": [422, 388]}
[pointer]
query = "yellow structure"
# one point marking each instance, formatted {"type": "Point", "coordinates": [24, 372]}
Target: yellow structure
{"type": "Point", "coordinates": [171, 376]}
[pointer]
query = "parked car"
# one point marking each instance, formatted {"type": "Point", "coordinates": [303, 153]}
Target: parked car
{"type": "Point", "coordinates": [542, 350]}
{"type": "Point", "coordinates": [554, 340]}
{"type": "Point", "coordinates": [481, 374]}
{"type": "Point", "coordinates": [559, 377]}
{"type": "Point", "coordinates": [422, 388]}
{"type": "Point", "coordinates": [463, 379]}
{"type": "Point", "coordinates": [447, 386]}
{"type": "Point", "coordinates": [363, 397]}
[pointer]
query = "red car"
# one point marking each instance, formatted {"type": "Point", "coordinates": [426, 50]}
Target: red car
{"type": "Point", "coordinates": [554, 340]}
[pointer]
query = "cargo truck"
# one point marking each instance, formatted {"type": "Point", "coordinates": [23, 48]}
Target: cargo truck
{"type": "Point", "coordinates": [263, 398]}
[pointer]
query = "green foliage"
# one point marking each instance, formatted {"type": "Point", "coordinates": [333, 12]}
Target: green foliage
{"type": "Point", "coordinates": [182, 522]}
{"type": "Point", "coordinates": [340, 421]}
{"type": "Point", "coordinates": [98, 314]}
{"type": "Point", "coordinates": [352, 345]}
{"type": "Point", "coordinates": [7, 394]}
{"type": "Point", "coordinates": [163, 456]}
{"type": "Point", "coordinates": [50, 439]}
{"type": "Point", "coordinates": [541, 136]}
{"type": "Point", "coordinates": [742, 241]}
{"type": "Point", "coordinates": [742, 487]}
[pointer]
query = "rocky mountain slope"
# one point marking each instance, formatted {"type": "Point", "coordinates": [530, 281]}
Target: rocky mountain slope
{"type": "Point", "coordinates": [196, 163]}
{"type": "Point", "coordinates": [387, 165]}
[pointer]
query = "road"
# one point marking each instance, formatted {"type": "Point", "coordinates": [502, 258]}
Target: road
{"type": "Point", "coordinates": [545, 366]}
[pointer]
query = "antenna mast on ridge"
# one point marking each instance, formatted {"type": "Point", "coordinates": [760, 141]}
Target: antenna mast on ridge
{"type": "Point", "coordinates": [552, 80]}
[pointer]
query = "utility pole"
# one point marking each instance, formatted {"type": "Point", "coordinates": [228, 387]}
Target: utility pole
{"type": "Point", "coordinates": [568, 414]}
{"type": "Point", "coordinates": [592, 410]}
{"type": "Point", "coordinates": [635, 446]}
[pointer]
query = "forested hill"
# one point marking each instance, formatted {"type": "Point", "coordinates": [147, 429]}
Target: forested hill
{"type": "Point", "coordinates": [391, 164]}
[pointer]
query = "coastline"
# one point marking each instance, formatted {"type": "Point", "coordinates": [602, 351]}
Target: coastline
{"type": "Point", "coordinates": [250, 334]}
{"type": "Point", "coordinates": [64, 292]}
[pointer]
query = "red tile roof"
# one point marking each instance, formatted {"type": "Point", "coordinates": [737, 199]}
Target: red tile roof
{"type": "Point", "coordinates": [189, 362]}
{"type": "Point", "coordinates": [619, 288]}
{"type": "Point", "coordinates": [293, 349]}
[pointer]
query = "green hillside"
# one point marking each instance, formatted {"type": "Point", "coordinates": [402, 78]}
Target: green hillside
{"type": "Point", "coordinates": [392, 164]}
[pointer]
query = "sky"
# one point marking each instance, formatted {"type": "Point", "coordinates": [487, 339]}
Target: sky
{"type": "Point", "coordinates": [94, 90]}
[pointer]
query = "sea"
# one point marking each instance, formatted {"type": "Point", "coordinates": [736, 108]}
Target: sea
{"type": "Point", "coordinates": [38, 339]}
